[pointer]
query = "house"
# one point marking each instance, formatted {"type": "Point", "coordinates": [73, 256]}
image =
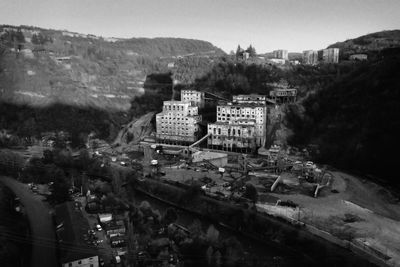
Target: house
{"type": "Point", "coordinates": [115, 228]}
{"type": "Point", "coordinates": [105, 218]}
{"type": "Point", "coordinates": [358, 57]}
{"type": "Point", "coordinates": [70, 231]}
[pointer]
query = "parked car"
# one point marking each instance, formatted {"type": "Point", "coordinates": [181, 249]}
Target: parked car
{"type": "Point", "coordinates": [98, 227]}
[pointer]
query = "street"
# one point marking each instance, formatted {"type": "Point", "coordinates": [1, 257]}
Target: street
{"type": "Point", "coordinates": [43, 233]}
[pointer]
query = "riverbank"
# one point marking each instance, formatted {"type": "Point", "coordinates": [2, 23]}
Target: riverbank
{"type": "Point", "coordinates": [293, 238]}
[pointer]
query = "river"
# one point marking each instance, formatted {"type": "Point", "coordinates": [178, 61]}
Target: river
{"type": "Point", "coordinates": [260, 253]}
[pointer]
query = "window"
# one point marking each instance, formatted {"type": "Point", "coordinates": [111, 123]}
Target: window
{"type": "Point", "coordinates": [219, 130]}
{"type": "Point", "coordinates": [79, 262]}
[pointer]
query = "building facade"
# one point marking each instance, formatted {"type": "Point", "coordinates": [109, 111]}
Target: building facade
{"type": "Point", "coordinates": [281, 54]}
{"type": "Point", "coordinates": [330, 55]}
{"type": "Point", "coordinates": [178, 123]}
{"type": "Point", "coordinates": [240, 124]}
{"type": "Point", "coordinates": [195, 98]}
{"type": "Point", "coordinates": [310, 57]}
{"type": "Point", "coordinates": [283, 95]}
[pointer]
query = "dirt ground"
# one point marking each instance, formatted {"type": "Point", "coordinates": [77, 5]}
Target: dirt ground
{"type": "Point", "coordinates": [360, 210]}
{"type": "Point", "coordinates": [357, 209]}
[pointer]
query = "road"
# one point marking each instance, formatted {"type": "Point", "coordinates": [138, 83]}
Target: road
{"type": "Point", "coordinates": [43, 233]}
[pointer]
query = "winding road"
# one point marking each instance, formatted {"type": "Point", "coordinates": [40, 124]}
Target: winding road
{"type": "Point", "coordinates": [43, 233]}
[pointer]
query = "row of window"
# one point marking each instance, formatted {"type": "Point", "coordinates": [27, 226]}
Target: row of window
{"type": "Point", "coordinates": [243, 116]}
{"type": "Point", "coordinates": [174, 133]}
{"type": "Point", "coordinates": [173, 107]}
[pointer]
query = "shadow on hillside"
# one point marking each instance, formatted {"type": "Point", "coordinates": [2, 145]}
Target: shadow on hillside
{"type": "Point", "coordinates": [27, 121]}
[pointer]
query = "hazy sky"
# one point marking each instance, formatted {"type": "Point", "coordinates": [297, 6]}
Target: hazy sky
{"type": "Point", "coordinates": [295, 25]}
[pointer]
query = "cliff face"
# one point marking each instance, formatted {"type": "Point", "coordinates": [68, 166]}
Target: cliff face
{"type": "Point", "coordinates": [134, 131]}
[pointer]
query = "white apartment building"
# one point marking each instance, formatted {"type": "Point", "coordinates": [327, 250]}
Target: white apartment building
{"type": "Point", "coordinates": [281, 54]}
{"type": "Point", "coordinates": [310, 57]}
{"type": "Point", "coordinates": [330, 55]}
{"type": "Point", "coordinates": [196, 98]}
{"type": "Point", "coordinates": [240, 124]}
{"type": "Point", "coordinates": [178, 123]}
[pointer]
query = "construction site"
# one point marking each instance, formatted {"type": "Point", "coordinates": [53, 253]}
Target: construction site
{"type": "Point", "coordinates": [341, 208]}
{"type": "Point", "coordinates": [328, 202]}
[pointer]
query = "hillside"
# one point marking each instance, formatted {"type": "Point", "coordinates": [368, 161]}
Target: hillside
{"type": "Point", "coordinates": [353, 123]}
{"type": "Point", "coordinates": [370, 43]}
{"type": "Point", "coordinates": [89, 71]}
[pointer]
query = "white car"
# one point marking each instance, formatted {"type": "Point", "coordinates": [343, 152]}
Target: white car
{"type": "Point", "coordinates": [309, 164]}
{"type": "Point", "coordinates": [98, 227]}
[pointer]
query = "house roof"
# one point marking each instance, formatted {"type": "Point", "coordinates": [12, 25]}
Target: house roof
{"type": "Point", "coordinates": [72, 227]}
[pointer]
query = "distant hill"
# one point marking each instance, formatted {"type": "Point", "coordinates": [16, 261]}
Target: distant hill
{"type": "Point", "coordinates": [370, 43]}
{"type": "Point", "coordinates": [172, 47]}
{"type": "Point", "coordinates": [59, 66]}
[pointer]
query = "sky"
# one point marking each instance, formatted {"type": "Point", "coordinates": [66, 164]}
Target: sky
{"type": "Point", "coordinates": [295, 25]}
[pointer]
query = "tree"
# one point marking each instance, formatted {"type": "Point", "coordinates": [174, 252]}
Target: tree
{"type": "Point", "coordinates": [212, 235]}
{"type": "Point", "coordinates": [170, 216]}
{"type": "Point", "coordinates": [239, 52]}
{"type": "Point", "coordinates": [233, 251]}
{"type": "Point", "coordinates": [48, 156]}
{"type": "Point", "coordinates": [252, 51]}
{"type": "Point", "coordinates": [251, 193]}
{"type": "Point", "coordinates": [61, 186]}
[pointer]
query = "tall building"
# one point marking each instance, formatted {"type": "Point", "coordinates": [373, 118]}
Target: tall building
{"type": "Point", "coordinates": [196, 98]}
{"type": "Point", "coordinates": [310, 57]}
{"type": "Point", "coordinates": [330, 55]}
{"type": "Point", "coordinates": [178, 123]}
{"type": "Point", "coordinates": [282, 54]}
{"type": "Point", "coordinates": [240, 124]}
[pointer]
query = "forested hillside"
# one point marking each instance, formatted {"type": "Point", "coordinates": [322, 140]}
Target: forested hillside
{"type": "Point", "coordinates": [354, 122]}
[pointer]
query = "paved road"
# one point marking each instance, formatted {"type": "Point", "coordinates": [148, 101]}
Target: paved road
{"type": "Point", "coordinates": [43, 233]}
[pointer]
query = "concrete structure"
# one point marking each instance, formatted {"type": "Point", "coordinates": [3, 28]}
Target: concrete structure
{"type": "Point", "coordinates": [278, 61]}
{"type": "Point", "coordinates": [283, 95]}
{"type": "Point", "coordinates": [330, 55]}
{"type": "Point", "coordinates": [70, 230]}
{"type": "Point", "coordinates": [358, 57]}
{"type": "Point", "coordinates": [249, 99]}
{"type": "Point", "coordinates": [281, 54]}
{"type": "Point", "coordinates": [178, 123]}
{"type": "Point", "coordinates": [217, 159]}
{"type": "Point", "coordinates": [310, 57]}
{"type": "Point", "coordinates": [196, 98]}
{"type": "Point", "coordinates": [240, 125]}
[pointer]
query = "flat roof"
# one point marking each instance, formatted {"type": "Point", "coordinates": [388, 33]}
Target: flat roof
{"type": "Point", "coordinates": [235, 104]}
